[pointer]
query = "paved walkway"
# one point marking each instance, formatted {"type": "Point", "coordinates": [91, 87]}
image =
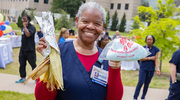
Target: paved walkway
{"type": "Point", "coordinates": [8, 84]}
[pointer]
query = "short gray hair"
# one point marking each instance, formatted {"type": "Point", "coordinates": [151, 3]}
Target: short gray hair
{"type": "Point", "coordinates": [89, 5]}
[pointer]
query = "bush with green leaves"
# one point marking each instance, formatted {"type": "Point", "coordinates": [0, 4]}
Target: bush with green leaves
{"type": "Point", "coordinates": [20, 23]}
{"type": "Point", "coordinates": [63, 21]}
{"type": "Point", "coordinates": [163, 29]}
{"type": "Point", "coordinates": [135, 25]}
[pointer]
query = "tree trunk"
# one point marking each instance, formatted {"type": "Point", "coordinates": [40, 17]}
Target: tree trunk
{"type": "Point", "coordinates": [161, 52]}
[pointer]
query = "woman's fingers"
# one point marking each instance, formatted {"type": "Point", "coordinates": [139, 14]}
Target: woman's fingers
{"type": "Point", "coordinates": [114, 64]}
{"type": "Point", "coordinates": [42, 45]}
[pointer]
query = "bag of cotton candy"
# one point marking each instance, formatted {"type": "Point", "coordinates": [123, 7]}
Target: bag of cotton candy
{"type": "Point", "coordinates": [121, 49]}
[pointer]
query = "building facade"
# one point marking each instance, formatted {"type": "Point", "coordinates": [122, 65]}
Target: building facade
{"type": "Point", "coordinates": [129, 7]}
{"type": "Point", "coordinates": [13, 8]}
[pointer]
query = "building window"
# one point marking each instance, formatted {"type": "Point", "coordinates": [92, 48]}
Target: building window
{"type": "Point", "coordinates": [36, 0]}
{"type": "Point", "coordinates": [119, 6]}
{"type": "Point", "coordinates": [126, 6]}
{"type": "Point", "coordinates": [46, 1]}
{"type": "Point", "coordinates": [112, 6]}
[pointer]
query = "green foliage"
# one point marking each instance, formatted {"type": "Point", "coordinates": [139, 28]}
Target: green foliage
{"type": "Point", "coordinates": [107, 19]}
{"type": "Point", "coordinates": [114, 21]}
{"type": "Point", "coordinates": [135, 25]}
{"type": "Point", "coordinates": [163, 29]}
{"type": "Point", "coordinates": [146, 4]}
{"type": "Point", "coordinates": [144, 16]}
{"type": "Point", "coordinates": [63, 21]}
{"type": "Point", "coordinates": [69, 6]}
{"type": "Point", "coordinates": [122, 24]}
{"type": "Point", "coordinates": [20, 23]}
{"type": "Point", "coordinates": [31, 13]}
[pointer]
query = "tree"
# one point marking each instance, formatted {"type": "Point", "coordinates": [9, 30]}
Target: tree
{"type": "Point", "coordinates": [114, 21]}
{"type": "Point", "coordinates": [63, 21]}
{"type": "Point", "coordinates": [20, 23]}
{"type": "Point", "coordinates": [123, 23]}
{"type": "Point", "coordinates": [31, 13]}
{"type": "Point", "coordinates": [69, 6]}
{"type": "Point", "coordinates": [107, 19]}
{"type": "Point", "coordinates": [145, 15]}
{"type": "Point", "coordinates": [163, 29]}
{"type": "Point", "coordinates": [146, 4]}
{"type": "Point", "coordinates": [135, 25]}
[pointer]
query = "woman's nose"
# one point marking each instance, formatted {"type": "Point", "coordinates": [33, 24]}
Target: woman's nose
{"type": "Point", "coordinates": [90, 26]}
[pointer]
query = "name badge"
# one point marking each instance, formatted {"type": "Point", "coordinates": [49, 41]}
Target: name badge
{"type": "Point", "coordinates": [99, 75]}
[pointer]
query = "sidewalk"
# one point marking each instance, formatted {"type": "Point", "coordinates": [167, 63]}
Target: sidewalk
{"type": "Point", "coordinates": [8, 84]}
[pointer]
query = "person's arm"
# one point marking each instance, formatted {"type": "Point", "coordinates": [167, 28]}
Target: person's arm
{"type": "Point", "coordinates": [42, 93]}
{"type": "Point", "coordinates": [26, 32]}
{"type": "Point", "coordinates": [114, 86]}
{"type": "Point", "coordinates": [173, 72]}
{"type": "Point", "coordinates": [148, 58]}
{"type": "Point", "coordinates": [157, 64]}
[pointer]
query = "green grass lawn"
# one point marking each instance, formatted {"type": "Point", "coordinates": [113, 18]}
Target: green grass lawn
{"type": "Point", "coordinates": [13, 68]}
{"type": "Point", "coordinates": [129, 78]}
{"type": "Point", "coordinates": [8, 95]}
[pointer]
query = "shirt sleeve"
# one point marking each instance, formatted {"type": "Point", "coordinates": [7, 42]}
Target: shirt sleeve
{"type": "Point", "coordinates": [175, 58]}
{"type": "Point", "coordinates": [32, 30]}
{"type": "Point", "coordinates": [157, 49]}
{"type": "Point", "coordinates": [114, 86]}
{"type": "Point", "coordinates": [42, 93]}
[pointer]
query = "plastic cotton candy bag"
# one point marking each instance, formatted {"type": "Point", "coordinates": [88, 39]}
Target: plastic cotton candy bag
{"type": "Point", "coordinates": [122, 49]}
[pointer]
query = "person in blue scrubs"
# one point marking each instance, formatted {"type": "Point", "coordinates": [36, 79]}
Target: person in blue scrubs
{"type": "Point", "coordinates": [174, 89]}
{"type": "Point", "coordinates": [64, 34]}
{"type": "Point", "coordinates": [78, 85]}
{"type": "Point", "coordinates": [40, 33]}
{"type": "Point", "coordinates": [147, 67]}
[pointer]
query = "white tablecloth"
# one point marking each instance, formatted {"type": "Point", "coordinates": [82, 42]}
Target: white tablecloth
{"type": "Point", "coordinates": [5, 55]}
{"type": "Point", "coordinates": [15, 41]}
{"type": "Point", "coordinates": [129, 65]}
{"type": "Point", "coordinates": [6, 41]}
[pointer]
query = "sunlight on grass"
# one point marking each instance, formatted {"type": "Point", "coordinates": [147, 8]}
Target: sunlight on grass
{"type": "Point", "coordinates": [8, 95]}
{"type": "Point", "coordinates": [13, 68]}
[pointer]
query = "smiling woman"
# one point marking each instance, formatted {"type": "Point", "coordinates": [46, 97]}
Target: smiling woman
{"type": "Point", "coordinates": [80, 63]}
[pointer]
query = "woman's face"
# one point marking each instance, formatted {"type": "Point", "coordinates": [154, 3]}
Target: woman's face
{"type": "Point", "coordinates": [66, 35]}
{"type": "Point", "coordinates": [149, 40]}
{"type": "Point", "coordinates": [104, 42]}
{"type": "Point", "coordinates": [90, 25]}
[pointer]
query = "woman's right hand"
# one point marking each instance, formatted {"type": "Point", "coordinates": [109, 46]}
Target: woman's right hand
{"type": "Point", "coordinates": [42, 45]}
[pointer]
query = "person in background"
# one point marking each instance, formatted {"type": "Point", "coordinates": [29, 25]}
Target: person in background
{"type": "Point", "coordinates": [147, 67]}
{"type": "Point", "coordinates": [27, 50]}
{"type": "Point", "coordinates": [103, 41]}
{"type": "Point", "coordinates": [64, 34]}
{"type": "Point", "coordinates": [71, 34]}
{"type": "Point", "coordinates": [116, 35]}
{"type": "Point", "coordinates": [78, 59]}
{"type": "Point", "coordinates": [174, 89]}
{"type": "Point", "coordinates": [107, 34]}
{"type": "Point", "coordinates": [40, 33]}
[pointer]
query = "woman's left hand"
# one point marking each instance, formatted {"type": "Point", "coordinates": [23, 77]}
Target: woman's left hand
{"type": "Point", "coordinates": [158, 71]}
{"type": "Point", "coordinates": [114, 64]}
